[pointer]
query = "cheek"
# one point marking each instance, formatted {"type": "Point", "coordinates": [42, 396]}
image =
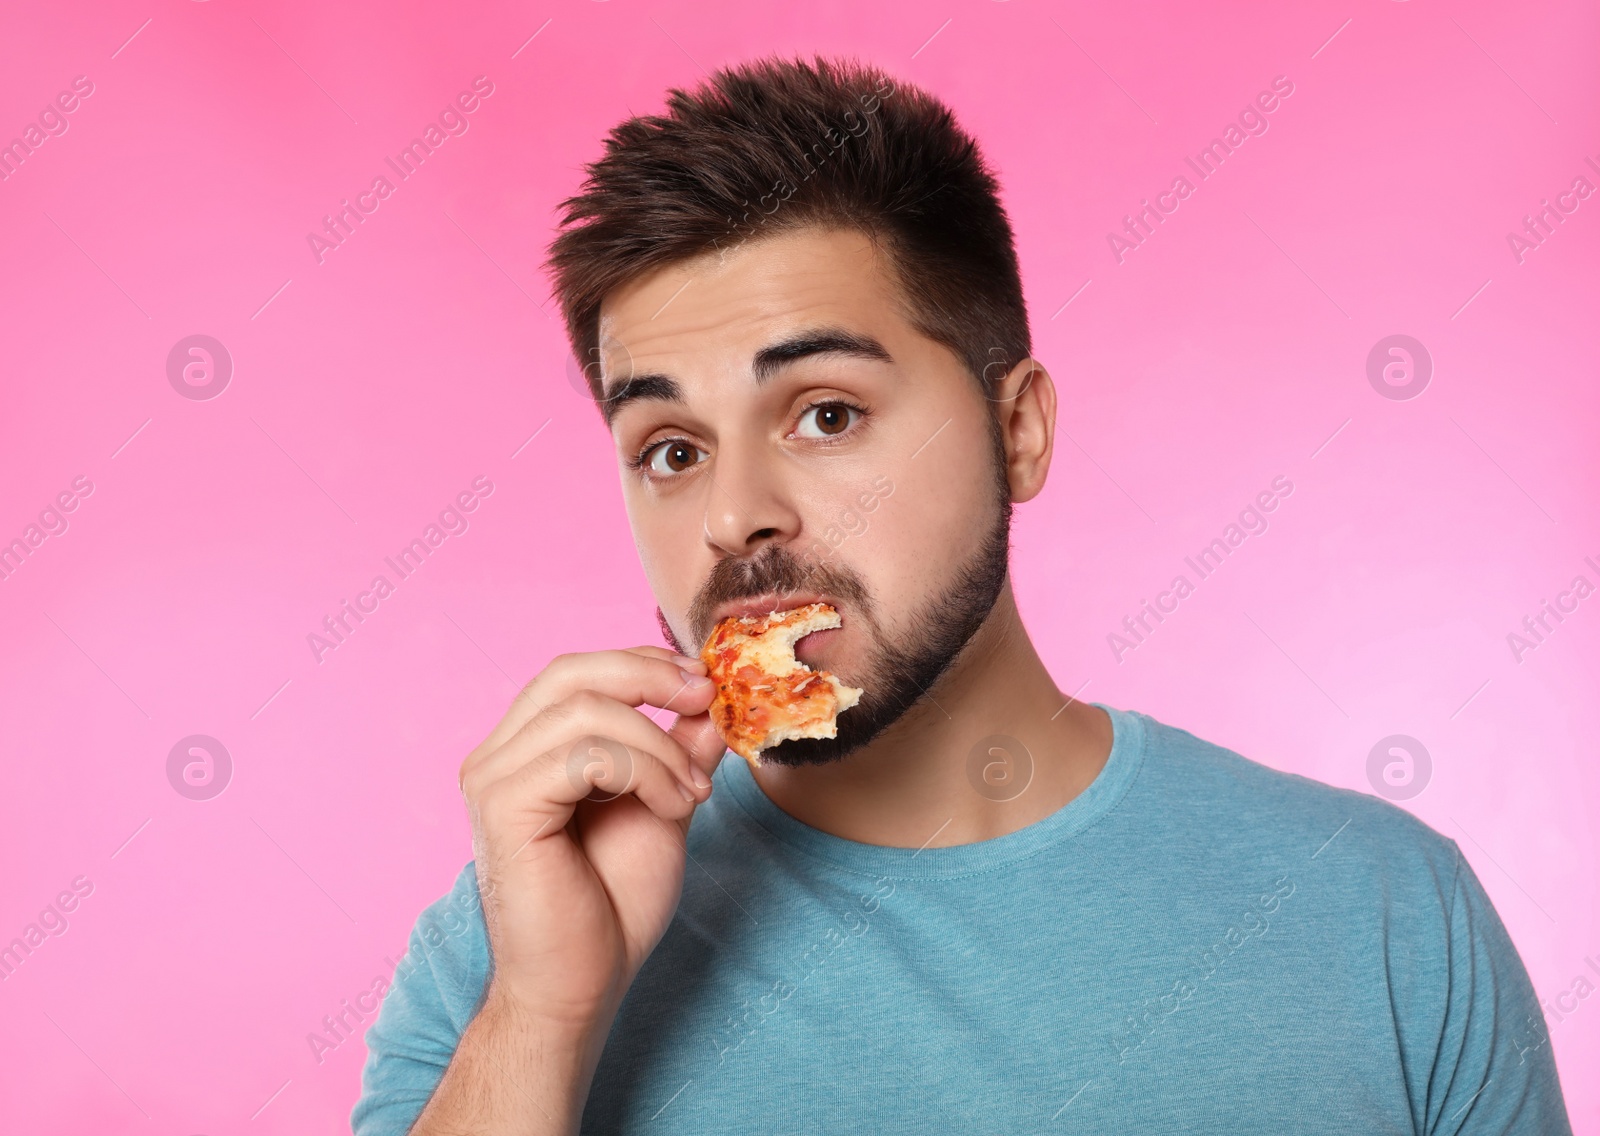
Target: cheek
{"type": "Point", "coordinates": [672, 553]}
{"type": "Point", "coordinates": [925, 528]}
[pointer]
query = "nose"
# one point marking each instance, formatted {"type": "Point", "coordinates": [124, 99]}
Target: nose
{"type": "Point", "coordinates": [748, 504]}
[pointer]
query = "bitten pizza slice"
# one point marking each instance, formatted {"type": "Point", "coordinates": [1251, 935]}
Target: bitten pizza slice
{"type": "Point", "coordinates": [764, 694]}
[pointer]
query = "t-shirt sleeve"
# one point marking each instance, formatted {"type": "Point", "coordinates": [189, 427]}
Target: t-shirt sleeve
{"type": "Point", "coordinates": [1495, 1071]}
{"type": "Point", "coordinates": [437, 988]}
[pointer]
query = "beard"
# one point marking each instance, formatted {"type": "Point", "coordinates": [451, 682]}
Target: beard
{"type": "Point", "coordinates": [903, 666]}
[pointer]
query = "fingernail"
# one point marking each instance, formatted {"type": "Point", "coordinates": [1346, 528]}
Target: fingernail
{"type": "Point", "coordinates": [688, 796]}
{"type": "Point", "coordinates": [700, 781]}
{"type": "Point", "coordinates": [693, 681]}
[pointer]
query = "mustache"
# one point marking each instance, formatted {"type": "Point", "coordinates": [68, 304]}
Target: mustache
{"type": "Point", "coordinates": [773, 569]}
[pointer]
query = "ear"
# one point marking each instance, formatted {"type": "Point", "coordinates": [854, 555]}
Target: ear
{"type": "Point", "coordinates": [1024, 404]}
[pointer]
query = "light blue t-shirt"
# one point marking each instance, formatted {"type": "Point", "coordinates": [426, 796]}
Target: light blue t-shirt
{"type": "Point", "coordinates": [1195, 944]}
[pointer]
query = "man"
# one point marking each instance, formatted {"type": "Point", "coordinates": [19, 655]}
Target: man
{"type": "Point", "coordinates": [984, 906]}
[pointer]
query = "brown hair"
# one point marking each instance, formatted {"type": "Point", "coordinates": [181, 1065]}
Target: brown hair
{"type": "Point", "coordinates": [772, 145]}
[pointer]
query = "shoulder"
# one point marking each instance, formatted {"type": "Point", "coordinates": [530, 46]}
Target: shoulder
{"type": "Point", "coordinates": [1377, 921]}
{"type": "Point", "coordinates": [1357, 839]}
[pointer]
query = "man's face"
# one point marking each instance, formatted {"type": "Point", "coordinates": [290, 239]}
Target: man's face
{"type": "Point", "coordinates": [785, 435]}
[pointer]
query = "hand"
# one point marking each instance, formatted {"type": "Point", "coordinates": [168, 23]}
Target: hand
{"type": "Point", "coordinates": [578, 889]}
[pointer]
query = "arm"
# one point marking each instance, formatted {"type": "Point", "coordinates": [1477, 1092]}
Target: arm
{"type": "Point", "coordinates": [1495, 1072]}
{"type": "Point", "coordinates": [513, 1072]}
{"type": "Point", "coordinates": [575, 894]}
{"type": "Point", "coordinates": [444, 1030]}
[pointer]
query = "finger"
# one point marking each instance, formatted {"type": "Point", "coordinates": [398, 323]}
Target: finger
{"type": "Point", "coordinates": [585, 715]}
{"type": "Point", "coordinates": [539, 796]}
{"type": "Point", "coordinates": [699, 737]}
{"type": "Point", "coordinates": [624, 675]}
{"type": "Point", "coordinates": [636, 680]}
{"type": "Point", "coordinates": [685, 661]}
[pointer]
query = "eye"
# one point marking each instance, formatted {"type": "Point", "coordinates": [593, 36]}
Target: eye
{"type": "Point", "coordinates": [827, 419]}
{"type": "Point", "coordinates": [671, 457]}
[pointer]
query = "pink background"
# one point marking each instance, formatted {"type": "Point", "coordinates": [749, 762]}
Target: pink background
{"type": "Point", "coordinates": [370, 389]}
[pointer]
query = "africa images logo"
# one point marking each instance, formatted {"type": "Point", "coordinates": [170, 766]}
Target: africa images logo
{"type": "Point", "coordinates": [1399, 767]}
{"type": "Point", "coordinates": [199, 367]}
{"type": "Point", "coordinates": [339, 225]}
{"type": "Point", "coordinates": [1399, 367]}
{"type": "Point", "coordinates": [451, 521]}
{"type": "Point", "coordinates": [1252, 122]}
{"type": "Point", "coordinates": [999, 767]}
{"type": "Point", "coordinates": [52, 123]}
{"type": "Point", "coordinates": [199, 767]}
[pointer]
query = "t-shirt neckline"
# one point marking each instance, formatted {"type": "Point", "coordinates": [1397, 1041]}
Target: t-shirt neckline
{"type": "Point", "coordinates": [734, 779]}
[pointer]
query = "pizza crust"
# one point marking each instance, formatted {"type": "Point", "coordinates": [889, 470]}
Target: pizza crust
{"type": "Point", "coordinates": [764, 694]}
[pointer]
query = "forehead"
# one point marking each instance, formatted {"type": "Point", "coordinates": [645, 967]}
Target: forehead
{"type": "Point", "coordinates": [718, 308]}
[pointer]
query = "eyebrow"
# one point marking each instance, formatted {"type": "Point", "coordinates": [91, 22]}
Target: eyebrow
{"type": "Point", "coordinates": [768, 362]}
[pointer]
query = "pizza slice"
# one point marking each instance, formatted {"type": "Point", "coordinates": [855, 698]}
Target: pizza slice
{"type": "Point", "coordinates": [764, 694]}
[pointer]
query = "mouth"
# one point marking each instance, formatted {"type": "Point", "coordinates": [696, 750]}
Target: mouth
{"type": "Point", "coordinates": [768, 602]}
{"type": "Point", "coordinates": [812, 650]}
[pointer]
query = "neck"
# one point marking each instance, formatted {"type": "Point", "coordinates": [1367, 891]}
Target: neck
{"type": "Point", "coordinates": [918, 784]}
